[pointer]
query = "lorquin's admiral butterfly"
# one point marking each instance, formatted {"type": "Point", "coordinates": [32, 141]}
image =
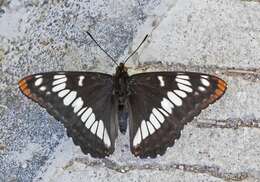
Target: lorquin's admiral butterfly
{"type": "Point", "coordinates": [90, 105]}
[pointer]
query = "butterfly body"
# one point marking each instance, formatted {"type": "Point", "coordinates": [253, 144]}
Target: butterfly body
{"type": "Point", "coordinates": [92, 106]}
{"type": "Point", "coordinates": [121, 92]}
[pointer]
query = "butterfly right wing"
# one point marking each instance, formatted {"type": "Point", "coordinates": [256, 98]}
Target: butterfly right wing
{"type": "Point", "coordinates": [161, 103]}
{"type": "Point", "coordinates": [82, 101]}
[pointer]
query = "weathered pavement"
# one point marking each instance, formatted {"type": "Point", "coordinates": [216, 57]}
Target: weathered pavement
{"type": "Point", "coordinates": [216, 37]}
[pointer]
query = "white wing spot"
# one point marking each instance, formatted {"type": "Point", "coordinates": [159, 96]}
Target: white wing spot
{"type": "Point", "coordinates": [86, 114]}
{"type": "Point", "coordinates": [81, 111]}
{"type": "Point", "coordinates": [202, 89]}
{"type": "Point", "coordinates": [204, 76]}
{"type": "Point", "coordinates": [59, 87]}
{"type": "Point", "coordinates": [38, 76]}
{"type": "Point", "coordinates": [158, 115]}
{"type": "Point", "coordinates": [58, 76]}
{"type": "Point", "coordinates": [106, 139]}
{"type": "Point", "coordinates": [138, 138]}
{"type": "Point", "coordinates": [160, 78]}
{"type": "Point", "coordinates": [77, 104]}
{"type": "Point", "coordinates": [59, 81]}
{"type": "Point", "coordinates": [90, 120]}
{"type": "Point", "coordinates": [43, 88]}
{"type": "Point", "coordinates": [185, 82]}
{"type": "Point", "coordinates": [180, 93]}
{"type": "Point", "coordinates": [69, 98]}
{"type": "Point", "coordinates": [100, 130]}
{"type": "Point", "coordinates": [144, 130]}
{"type": "Point", "coordinates": [174, 98]}
{"type": "Point", "coordinates": [167, 105]}
{"type": "Point", "coordinates": [184, 87]}
{"type": "Point", "coordinates": [63, 93]}
{"type": "Point", "coordinates": [186, 77]}
{"type": "Point", "coordinates": [150, 127]}
{"type": "Point", "coordinates": [38, 82]}
{"type": "Point", "coordinates": [93, 129]}
{"type": "Point", "coordinates": [154, 121]}
{"type": "Point", "coordinates": [205, 82]}
{"type": "Point", "coordinates": [81, 78]}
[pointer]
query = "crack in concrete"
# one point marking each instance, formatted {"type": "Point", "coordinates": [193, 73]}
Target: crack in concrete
{"type": "Point", "coordinates": [243, 71]}
{"type": "Point", "coordinates": [233, 123]}
{"type": "Point", "coordinates": [246, 74]}
{"type": "Point", "coordinates": [214, 171]}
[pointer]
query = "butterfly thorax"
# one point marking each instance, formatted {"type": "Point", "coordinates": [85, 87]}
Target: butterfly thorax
{"type": "Point", "coordinates": [121, 93]}
{"type": "Point", "coordinates": [120, 83]}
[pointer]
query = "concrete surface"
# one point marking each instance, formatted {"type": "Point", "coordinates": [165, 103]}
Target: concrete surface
{"type": "Point", "coordinates": [217, 37]}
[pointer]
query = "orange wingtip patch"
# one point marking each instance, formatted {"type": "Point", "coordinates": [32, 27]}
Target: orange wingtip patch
{"type": "Point", "coordinates": [218, 92]}
{"type": "Point", "coordinates": [21, 82]}
{"type": "Point", "coordinates": [24, 80]}
{"type": "Point", "coordinates": [221, 88]}
{"type": "Point", "coordinates": [27, 92]}
{"type": "Point", "coordinates": [23, 85]}
{"type": "Point", "coordinates": [222, 85]}
{"type": "Point", "coordinates": [222, 82]}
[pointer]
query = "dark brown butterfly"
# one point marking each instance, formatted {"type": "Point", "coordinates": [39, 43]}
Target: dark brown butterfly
{"type": "Point", "coordinates": [89, 104]}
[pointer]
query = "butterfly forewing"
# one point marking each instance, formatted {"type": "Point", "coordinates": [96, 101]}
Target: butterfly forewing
{"type": "Point", "coordinates": [161, 103]}
{"type": "Point", "coordinates": [82, 101]}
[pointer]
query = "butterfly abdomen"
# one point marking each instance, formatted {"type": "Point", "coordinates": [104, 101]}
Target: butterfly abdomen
{"type": "Point", "coordinates": [122, 120]}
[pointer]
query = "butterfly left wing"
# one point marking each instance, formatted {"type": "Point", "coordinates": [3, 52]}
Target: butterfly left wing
{"type": "Point", "coordinates": [82, 101]}
{"type": "Point", "coordinates": [161, 103]}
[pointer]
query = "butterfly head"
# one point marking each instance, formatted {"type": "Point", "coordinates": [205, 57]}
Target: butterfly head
{"type": "Point", "coordinates": [121, 69]}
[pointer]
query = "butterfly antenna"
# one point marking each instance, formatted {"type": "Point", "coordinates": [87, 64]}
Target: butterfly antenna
{"type": "Point", "coordinates": [102, 48]}
{"type": "Point", "coordinates": [136, 49]}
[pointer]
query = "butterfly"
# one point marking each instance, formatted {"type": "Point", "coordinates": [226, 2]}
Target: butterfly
{"type": "Point", "coordinates": [90, 105]}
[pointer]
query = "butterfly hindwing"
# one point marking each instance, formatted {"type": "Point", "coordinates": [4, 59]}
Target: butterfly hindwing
{"type": "Point", "coordinates": [82, 101]}
{"type": "Point", "coordinates": [161, 103]}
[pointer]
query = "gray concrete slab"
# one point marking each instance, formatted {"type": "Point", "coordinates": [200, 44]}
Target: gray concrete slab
{"type": "Point", "coordinates": [217, 37]}
{"type": "Point", "coordinates": [198, 32]}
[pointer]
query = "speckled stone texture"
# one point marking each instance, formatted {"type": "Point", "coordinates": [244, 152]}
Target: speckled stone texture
{"type": "Point", "coordinates": [216, 37]}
